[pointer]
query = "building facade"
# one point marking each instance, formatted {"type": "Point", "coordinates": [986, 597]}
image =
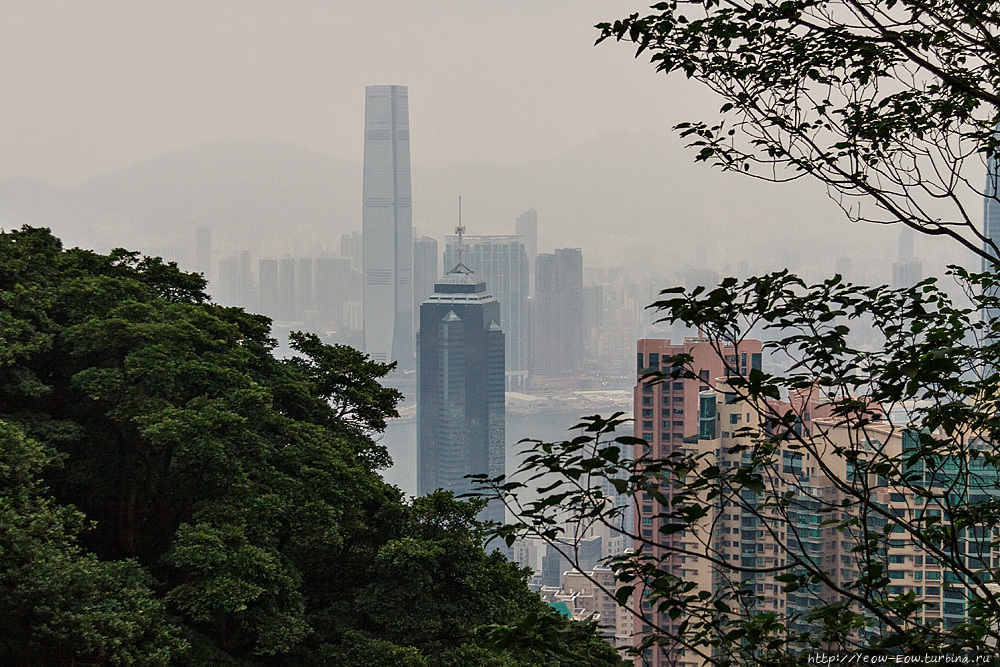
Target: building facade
{"type": "Point", "coordinates": [526, 226]}
{"type": "Point", "coordinates": [502, 262]}
{"type": "Point", "coordinates": [460, 388]}
{"type": "Point", "coordinates": [746, 541]}
{"type": "Point", "coordinates": [991, 222]}
{"type": "Point", "coordinates": [387, 228]}
{"type": "Point", "coordinates": [666, 417]}
{"type": "Point", "coordinates": [559, 314]}
{"type": "Point", "coordinates": [426, 269]}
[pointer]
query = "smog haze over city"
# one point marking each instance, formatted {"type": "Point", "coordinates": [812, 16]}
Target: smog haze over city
{"type": "Point", "coordinates": [132, 124]}
{"type": "Point", "coordinates": [431, 235]}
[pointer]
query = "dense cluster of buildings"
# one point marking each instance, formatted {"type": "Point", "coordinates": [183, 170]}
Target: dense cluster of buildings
{"type": "Point", "coordinates": [744, 544]}
{"type": "Point", "coordinates": [483, 316]}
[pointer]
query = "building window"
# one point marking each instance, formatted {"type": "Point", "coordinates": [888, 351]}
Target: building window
{"type": "Point", "coordinates": [647, 400]}
{"type": "Point", "coordinates": [647, 412]}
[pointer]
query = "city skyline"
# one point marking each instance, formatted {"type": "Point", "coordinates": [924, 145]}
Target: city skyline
{"type": "Point", "coordinates": [501, 261]}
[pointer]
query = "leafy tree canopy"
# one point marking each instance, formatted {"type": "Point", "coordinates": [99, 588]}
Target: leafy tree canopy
{"type": "Point", "coordinates": [171, 493]}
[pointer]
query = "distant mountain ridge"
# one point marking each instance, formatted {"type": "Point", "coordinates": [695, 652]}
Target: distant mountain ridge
{"type": "Point", "coordinates": [256, 189]}
{"type": "Point", "coordinates": [623, 199]}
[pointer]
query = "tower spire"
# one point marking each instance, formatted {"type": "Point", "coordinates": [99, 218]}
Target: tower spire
{"type": "Point", "coordinates": [460, 230]}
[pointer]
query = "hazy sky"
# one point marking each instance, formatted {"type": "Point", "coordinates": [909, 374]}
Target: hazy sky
{"type": "Point", "coordinates": [90, 87]}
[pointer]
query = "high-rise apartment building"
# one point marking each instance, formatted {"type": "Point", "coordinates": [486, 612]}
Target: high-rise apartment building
{"type": "Point", "coordinates": [559, 314]}
{"type": "Point", "coordinates": [743, 541]}
{"type": "Point", "coordinates": [502, 262]}
{"type": "Point", "coordinates": [666, 416]}
{"type": "Point", "coordinates": [526, 226]}
{"type": "Point", "coordinates": [426, 269]}
{"type": "Point", "coordinates": [387, 227]}
{"type": "Point", "coordinates": [460, 387]}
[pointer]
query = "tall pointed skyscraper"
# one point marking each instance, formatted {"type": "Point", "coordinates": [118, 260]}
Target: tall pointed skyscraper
{"type": "Point", "coordinates": [387, 227]}
{"type": "Point", "coordinates": [460, 387]}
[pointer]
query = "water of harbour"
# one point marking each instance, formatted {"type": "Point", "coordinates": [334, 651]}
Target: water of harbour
{"type": "Point", "coordinates": [400, 439]}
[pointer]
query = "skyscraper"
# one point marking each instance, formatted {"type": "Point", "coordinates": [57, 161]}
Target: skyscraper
{"type": "Point", "coordinates": [991, 221]}
{"type": "Point", "coordinates": [387, 228]}
{"type": "Point", "coordinates": [425, 269]}
{"type": "Point", "coordinates": [526, 226]}
{"type": "Point", "coordinates": [906, 270]}
{"type": "Point", "coordinates": [502, 262]}
{"type": "Point", "coordinates": [460, 387]}
{"type": "Point", "coordinates": [667, 417]}
{"type": "Point", "coordinates": [559, 313]}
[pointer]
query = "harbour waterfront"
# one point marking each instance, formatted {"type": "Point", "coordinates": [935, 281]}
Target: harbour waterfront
{"type": "Point", "coordinates": [400, 438]}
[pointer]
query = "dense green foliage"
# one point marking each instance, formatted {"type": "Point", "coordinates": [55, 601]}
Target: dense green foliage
{"type": "Point", "coordinates": [174, 494]}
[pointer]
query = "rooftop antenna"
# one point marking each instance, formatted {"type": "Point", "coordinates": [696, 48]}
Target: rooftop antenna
{"type": "Point", "coordinates": [460, 230]}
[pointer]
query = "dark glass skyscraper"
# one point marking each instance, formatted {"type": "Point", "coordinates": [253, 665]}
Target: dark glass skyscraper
{"type": "Point", "coordinates": [387, 227]}
{"type": "Point", "coordinates": [460, 387]}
